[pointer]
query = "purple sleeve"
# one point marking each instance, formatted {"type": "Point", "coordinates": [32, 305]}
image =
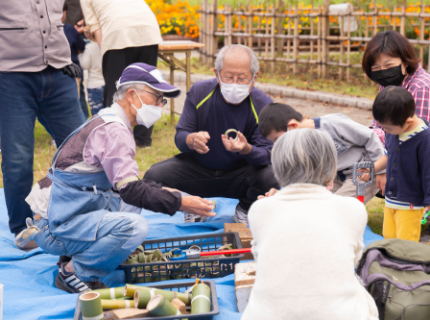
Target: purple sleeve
{"type": "Point", "coordinates": [187, 124]}
{"type": "Point", "coordinates": [112, 147]}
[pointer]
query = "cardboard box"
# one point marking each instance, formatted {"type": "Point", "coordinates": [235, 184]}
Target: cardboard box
{"type": "Point", "coordinates": [244, 278]}
{"type": "Point", "coordinates": [244, 234]}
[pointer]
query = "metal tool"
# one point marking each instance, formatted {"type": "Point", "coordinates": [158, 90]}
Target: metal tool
{"type": "Point", "coordinates": [361, 187]}
{"type": "Point", "coordinates": [196, 254]}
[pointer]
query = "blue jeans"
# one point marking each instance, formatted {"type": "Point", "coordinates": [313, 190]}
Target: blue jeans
{"type": "Point", "coordinates": [118, 235]}
{"type": "Point", "coordinates": [49, 95]}
{"type": "Point", "coordinates": [95, 99]}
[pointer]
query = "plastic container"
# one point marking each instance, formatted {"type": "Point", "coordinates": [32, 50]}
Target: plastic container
{"type": "Point", "coordinates": [180, 287]}
{"type": "Point", "coordinates": [215, 267]}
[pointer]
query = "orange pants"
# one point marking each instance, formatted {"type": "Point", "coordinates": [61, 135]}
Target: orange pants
{"type": "Point", "coordinates": [402, 224]}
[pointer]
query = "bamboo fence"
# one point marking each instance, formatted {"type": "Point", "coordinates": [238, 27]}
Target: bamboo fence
{"type": "Point", "coordinates": [276, 34]}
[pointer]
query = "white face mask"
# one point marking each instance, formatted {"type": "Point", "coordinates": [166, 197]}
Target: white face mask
{"type": "Point", "coordinates": [235, 93]}
{"type": "Point", "coordinates": [147, 115]}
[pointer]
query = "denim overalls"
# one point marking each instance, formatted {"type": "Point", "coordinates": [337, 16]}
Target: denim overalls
{"type": "Point", "coordinates": [85, 220]}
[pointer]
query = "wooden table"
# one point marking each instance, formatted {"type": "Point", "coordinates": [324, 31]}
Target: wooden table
{"type": "Point", "coordinates": [166, 52]}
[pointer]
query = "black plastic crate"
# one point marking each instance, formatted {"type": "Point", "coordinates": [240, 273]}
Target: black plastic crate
{"type": "Point", "coordinates": [180, 287]}
{"type": "Point", "coordinates": [194, 268]}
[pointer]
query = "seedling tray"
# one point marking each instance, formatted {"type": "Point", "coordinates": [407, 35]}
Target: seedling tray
{"type": "Point", "coordinates": [215, 267]}
{"type": "Point", "coordinates": [179, 287]}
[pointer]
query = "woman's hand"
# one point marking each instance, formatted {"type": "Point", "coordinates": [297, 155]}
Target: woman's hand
{"type": "Point", "coordinates": [268, 194]}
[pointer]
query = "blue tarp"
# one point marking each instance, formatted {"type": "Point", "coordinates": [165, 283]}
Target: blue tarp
{"type": "Point", "coordinates": [28, 277]}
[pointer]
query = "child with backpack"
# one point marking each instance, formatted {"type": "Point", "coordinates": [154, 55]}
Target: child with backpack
{"type": "Point", "coordinates": [353, 141]}
{"type": "Point", "coordinates": [407, 160]}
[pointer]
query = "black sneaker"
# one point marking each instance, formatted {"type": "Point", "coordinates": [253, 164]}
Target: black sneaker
{"type": "Point", "coordinates": [69, 282]}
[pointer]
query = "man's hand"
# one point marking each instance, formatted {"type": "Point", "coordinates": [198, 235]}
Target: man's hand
{"type": "Point", "coordinates": [197, 141]}
{"type": "Point", "coordinates": [268, 194]}
{"type": "Point", "coordinates": [197, 205]}
{"type": "Point", "coordinates": [241, 145]}
{"type": "Point", "coordinates": [381, 180]}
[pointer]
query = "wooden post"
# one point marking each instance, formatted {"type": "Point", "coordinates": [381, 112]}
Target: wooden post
{"type": "Point", "coordinates": [272, 40]}
{"type": "Point", "coordinates": [229, 23]}
{"type": "Point", "coordinates": [188, 65]}
{"type": "Point", "coordinates": [259, 26]}
{"type": "Point", "coordinates": [289, 40]}
{"type": "Point", "coordinates": [172, 101]}
{"type": "Point", "coordinates": [280, 28]}
{"type": "Point", "coordinates": [403, 19]}
{"type": "Point", "coordinates": [266, 39]}
{"type": "Point", "coordinates": [342, 46]}
{"type": "Point", "coordinates": [250, 28]}
{"type": "Point", "coordinates": [348, 56]}
{"type": "Point", "coordinates": [422, 33]}
{"type": "Point", "coordinates": [319, 41]}
{"type": "Point", "coordinates": [375, 18]}
{"type": "Point", "coordinates": [207, 30]}
{"type": "Point", "coordinates": [296, 38]}
{"type": "Point", "coordinates": [325, 34]}
{"type": "Point", "coordinates": [239, 19]}
{"type": "Point", "coordinates": [311, 41]}
{"type": "Point", "coordinates": [214, 38]}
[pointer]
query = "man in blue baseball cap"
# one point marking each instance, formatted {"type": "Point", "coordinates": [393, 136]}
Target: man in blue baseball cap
{"type": "Point", "coordinates": [88, 206]}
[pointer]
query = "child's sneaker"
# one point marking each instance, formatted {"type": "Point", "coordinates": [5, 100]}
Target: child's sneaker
{"type": "Point", "coordinates": [241, 216]}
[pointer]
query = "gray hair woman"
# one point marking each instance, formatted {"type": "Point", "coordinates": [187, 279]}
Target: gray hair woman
{"type": "Point", "coordinates": [306, 239]}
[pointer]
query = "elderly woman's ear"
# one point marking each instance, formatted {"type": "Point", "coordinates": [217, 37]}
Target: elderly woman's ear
{"type": "Point", "coordinates": [329, 185]}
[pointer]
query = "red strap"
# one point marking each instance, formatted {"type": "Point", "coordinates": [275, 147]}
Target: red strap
{"type": "Point", "coordinates": [234, 251]}
{"type": "Point", "coordinates": [360, 198]}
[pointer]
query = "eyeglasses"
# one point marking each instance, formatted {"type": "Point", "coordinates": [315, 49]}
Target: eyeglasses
{"type": "Point", "coordinates": [159, 98]}
{"type": "Point", "coordinates": [230, 80]}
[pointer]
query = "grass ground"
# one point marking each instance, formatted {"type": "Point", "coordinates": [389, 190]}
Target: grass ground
{"type": "Point", "coordinates": [163, 148]}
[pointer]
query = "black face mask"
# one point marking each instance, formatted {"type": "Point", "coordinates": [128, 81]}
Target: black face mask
{"type": "Point", "coordinates": [389, 77]}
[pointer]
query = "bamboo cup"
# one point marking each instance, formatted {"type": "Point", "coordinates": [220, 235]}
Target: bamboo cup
{"type": "Point", "coordinates": [117, 304]}
{"type": "Point", "coordinates": [130, 291]}
{"type": "Point", "coordinates": [159, 306]}
{"type": "Point", "coordinates": [201, 302]}
{"type": "Point", "coordinates": [111, 293]}
{"type": "Point", "coordinates": [91, 306]}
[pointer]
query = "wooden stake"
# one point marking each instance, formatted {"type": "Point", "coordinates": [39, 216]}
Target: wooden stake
{"type": "Point", "coordinates": [325, 34]}
{"type": "Point", "coordinates": [296, 39]}
{"type": "Point", "coordinates": [272, 40]}
{"type": "Point", "coordinates": [280, 28]}
{"type": "Point", "coordinates": [348, 57]}
{"type": "Point", "coordinates": [250, 29]}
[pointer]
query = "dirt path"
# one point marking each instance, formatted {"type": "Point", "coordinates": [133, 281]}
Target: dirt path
{"type": "Point", "coordinates": [306, 107]}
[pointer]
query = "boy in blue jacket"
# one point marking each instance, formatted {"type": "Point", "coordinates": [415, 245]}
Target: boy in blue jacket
{"type": "Point", "coordinates": [407, 160]}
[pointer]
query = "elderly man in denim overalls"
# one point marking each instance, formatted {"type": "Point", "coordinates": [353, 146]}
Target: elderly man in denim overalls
{"type": "Point", "coordinates": [88, 207]}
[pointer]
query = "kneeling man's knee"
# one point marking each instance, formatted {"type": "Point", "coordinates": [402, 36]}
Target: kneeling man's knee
{"type": "Point", "coordinates": [138, 230]}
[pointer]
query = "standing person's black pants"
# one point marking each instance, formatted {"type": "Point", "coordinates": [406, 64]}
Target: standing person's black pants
{"type": "Point", "coordinates": [114, 63]}
{"type": "Point", "coordinates": [245, 183]}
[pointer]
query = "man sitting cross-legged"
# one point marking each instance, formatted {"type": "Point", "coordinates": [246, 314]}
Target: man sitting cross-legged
{"type": "Point", "coordinates": [212, 164]}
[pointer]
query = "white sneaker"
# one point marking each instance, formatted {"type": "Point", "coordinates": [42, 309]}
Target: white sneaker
{"type": "Point", "coordinates": [24, 239]}
{"type": "Point", "coordinates": [241, 216]}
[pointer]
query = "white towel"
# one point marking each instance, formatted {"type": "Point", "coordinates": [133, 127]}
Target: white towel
{"type": "Point", "coordinates": [344, 8]}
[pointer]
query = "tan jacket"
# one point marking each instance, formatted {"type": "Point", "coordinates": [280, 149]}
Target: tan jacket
{"type": "Point", "coordinates": [124, 23]}
{"type": "Point", "coordinates": [32, 36]}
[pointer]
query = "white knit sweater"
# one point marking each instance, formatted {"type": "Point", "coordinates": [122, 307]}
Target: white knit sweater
{"type": "Point", "coordinates": [306, 243]}
{"type": "Point", "coordinates": [124, 23]}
